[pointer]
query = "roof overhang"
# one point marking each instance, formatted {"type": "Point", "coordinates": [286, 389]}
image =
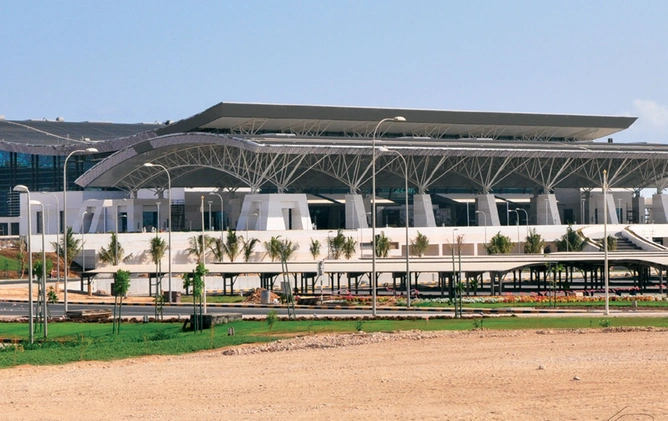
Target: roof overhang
{"type": "Point", "coordinates": [240, 118]}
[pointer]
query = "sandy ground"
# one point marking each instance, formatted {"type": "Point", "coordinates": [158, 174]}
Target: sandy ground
{"type": "Point", "coordinates": [526, 375]}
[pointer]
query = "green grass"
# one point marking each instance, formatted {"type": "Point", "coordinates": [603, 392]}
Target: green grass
{"type": "Point", "coordinates": [546, 304]}
{"type": "Point", "coordinates": [70, 342]}
{"type": "Point", "coordinates": [11, 264]}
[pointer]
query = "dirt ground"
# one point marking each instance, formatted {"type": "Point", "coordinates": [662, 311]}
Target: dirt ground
{"type": "Point", "coordinates": [489, 375]}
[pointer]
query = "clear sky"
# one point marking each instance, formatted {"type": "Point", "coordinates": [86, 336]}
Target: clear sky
{"type": "Point", "coordinates": [142, 61]}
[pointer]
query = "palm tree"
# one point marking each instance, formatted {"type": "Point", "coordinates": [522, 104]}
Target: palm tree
{"type": "Point", "coordinates": [349, 248]}
{"type": "Point", "coordinates": [499, 244]}
{"type": "Point", "coordinates": [72, 244]}
{"type": "Point", "coordinates": [157, 252]}
{"type": "Point", "coordinates": [287, 250]}
{"type": "Point", "coordinates": [336, 244]}
{"type": "Point", "coordinates": [570, 241]}
{"type": "Point", "coordinates": [195, 246]}
{"type": "Point", "coordinates": [534, 242]}
{"type": "Point", "coordinates": [248, 248]}
{"type": "Point", "coordinates": [111, 255]}
{"type": "Point", "coordinates": [382, 245]}
{"type": "Point", "coordinates": [273, 248]}
{"type": "Point", "coordinates": [314, 248]}
{"type": "Point", "coordinates": [232, 246]}
{"type": "Point", "coordinates": [420, 245]}
{"type": "Point", "coordinates": [217, 250]}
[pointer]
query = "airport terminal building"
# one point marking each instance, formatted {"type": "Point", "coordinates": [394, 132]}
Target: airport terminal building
{"type": "Point", "coordinates": [293, 167]}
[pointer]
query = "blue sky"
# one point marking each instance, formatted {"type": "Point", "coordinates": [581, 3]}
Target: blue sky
{"type": "Point", "coordinates": [140, 61]}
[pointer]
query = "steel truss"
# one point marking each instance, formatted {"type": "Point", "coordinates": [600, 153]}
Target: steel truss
{"type": "Point", "coordinates": [234, 162]}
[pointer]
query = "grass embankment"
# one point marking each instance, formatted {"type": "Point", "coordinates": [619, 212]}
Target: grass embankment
{"type": "Point", "coordinates": [69, 342]}
{"type": "Point", "coordinates": [545, 304]}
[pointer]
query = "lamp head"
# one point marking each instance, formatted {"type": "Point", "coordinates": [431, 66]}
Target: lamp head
{"type": "Point", "coordinates": [21, 188]}
{"type": "Point", "coordinates": [399, 118]}
{"type": "Point", "coordinates": [149, 164]}
{"type": "Point", "coordinates": [91, 150]}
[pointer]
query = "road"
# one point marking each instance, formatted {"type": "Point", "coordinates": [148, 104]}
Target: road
{"type": "Point", "coordinates": [133, 310]}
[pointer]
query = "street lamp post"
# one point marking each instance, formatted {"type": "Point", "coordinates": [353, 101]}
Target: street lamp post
{"type": "Point", "coordinates": [484, 219]}
{"type": "Point", "coordinates": [210, 226]}
{"type": "Point", "coordinates": [57, 237]}
{"type": "Point", "coordinates": [517, 222]}
{"type": "Point", "coordinates": [605, 241]}
{"type": "Point", "coordinates": [169, 225]}
{"type": "Point", "coordinates": [23, 189]}
{"type": "Point", "coordinates": [203, 258]}
{"type": "Point", "coordinates": [454, 269]}
{"type": "Point", "coordinates": [83, 245]}
{"type": "Point", "coordinates": [222, 220]}
{"type": "Point", "coordinates": [408, 260]}
{"type": "Point", "coordinates": [87, 150]}
{"type": "Point", "coordinates": [526, 214]}
{"type": "Point", "coordinates": [619, 206]}
{"type": "Point", "coordinates": [373, 209]}
{"type": "Point", "coordinates": [42, 292]}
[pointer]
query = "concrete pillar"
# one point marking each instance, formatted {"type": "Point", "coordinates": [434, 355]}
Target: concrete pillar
{"type": "Point", "coordinates": [355, 212]}
{"type": "Point", "coordinates": [638, 204]}
{"type": "Point", "coordinates": [596, 209]}
{"type": "Point", "coordinates": [659, 208]}
{"type": "Point", "coordinates": [423, 211]}
{"type": "Point", "coordinates": [546, 209]}
{"type": "Point", "coordinates": [487, 203]}
{"type": "Point", "coordinates": [269, 212]}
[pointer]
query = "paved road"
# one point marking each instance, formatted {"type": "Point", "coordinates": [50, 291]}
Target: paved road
{"type": "Point", "coordinates": [130, 310]}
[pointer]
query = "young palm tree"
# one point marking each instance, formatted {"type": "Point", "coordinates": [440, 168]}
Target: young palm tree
{"type": "Point", "coordinates": [217, 250]}
{"type": "Point", "coordinates": [534, 242]}
{"type": "Point", "coordinates": [336, 244]}
{"type": "Point", "coordinates": [273, 248]}
{"type": "Point", "coordinates": [349, 248]}
{"type": "Point", "coordinates": [72, 244]}
{"type": "Point", "coordinates": [111, 255]}
{"type": "Point", "coordinates": [571, 241]}
{"type": "Point", "coordinates": [287, 249]}
{"type": "Point", "coordinates": [499, 244]}
{"type": "Point", "coordinates": [382, 245]}
{"type": "Point", "coordinates": [233, 245]}
{"type": "Point", "coordinates": [314, 248]}
{"type": "Point", "coordinates": [249, 247]}
{"type": "Point", "coordinates": [197, 244]}
{"type": "Point", "coordinates": [157, 252]}
{"type": "Point", "coordinates": [420, 245]}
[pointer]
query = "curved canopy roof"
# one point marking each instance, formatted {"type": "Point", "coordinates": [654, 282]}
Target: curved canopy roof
{"type": "Point", "coordinates": [308, 120]}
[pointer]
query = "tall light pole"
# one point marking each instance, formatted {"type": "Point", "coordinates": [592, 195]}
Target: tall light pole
{"type": "Point", "coordinates": [169, 224]}
{"type": "Point", "coordinates": [605, 241]}
{"type": "Point", "coordinates": [484, 219]}
{"type": "Point", "coordinates": [408, 260]}
{"type": "Point", "coordinates": [210, 202]}
{"type": "Point", "coordinates": [222, 220]}
{"type": "Point", "coordinates": [42, 292]}
{"type": "Point", "coordinates": [31, 332]}
{"type": "Point", "coordinates": [203, 258]}
{"type": "Point", "coordinates": [157, 227]}
{"type": "Point", "coordinates": [517, 222]}
{"type": "Point", "coordinates": [583, 212]}
{"type": "Point", "coordinates": [526, 214]}
{"type": "Point", "coordinates": [57, 237]}
{"type": "Point", "coordinates": [373, 210]}
{"type": "Point", "coordinates": [619, 201]}
{"type": "Point", "coordinates": [83, 245]}
{"type": "Point", "coordinates": [87, 150]}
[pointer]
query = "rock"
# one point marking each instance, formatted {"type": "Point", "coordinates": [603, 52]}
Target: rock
{"type": "Point", "coordinates": [541, 367]}
{"type": "Point", "coordinates": [576, 378]}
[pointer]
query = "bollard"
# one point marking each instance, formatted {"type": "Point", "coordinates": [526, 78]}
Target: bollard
{"type": "Point", "coordinates": [230, 331]}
